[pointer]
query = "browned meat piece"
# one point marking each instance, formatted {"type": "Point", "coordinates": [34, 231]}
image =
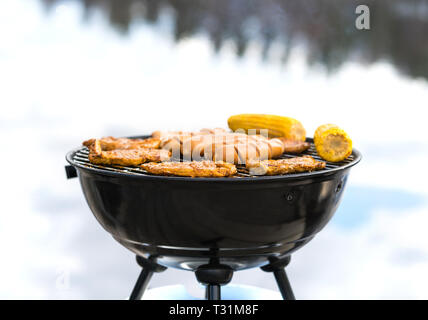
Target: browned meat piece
{"type": "Point", "coordinates": [191, 169]}
{"type": "Point", "coordinates": [111, 143]}
{"type": "Point", "coordinates": [284, 166]}
{"type": "Point", "coordinates": [295, 147]}
{"type": "Point", "coordinates": [152, 143]}
{"type": "Point", "coordinates": [125, 157]}
{"type": "Point", "coordinates": [163, 135]}
{"type": "Point", "coordinates": [171, 134]}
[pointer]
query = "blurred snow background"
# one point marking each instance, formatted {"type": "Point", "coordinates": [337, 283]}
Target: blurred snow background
{"type": "Point", "coordinates": [63, 81]}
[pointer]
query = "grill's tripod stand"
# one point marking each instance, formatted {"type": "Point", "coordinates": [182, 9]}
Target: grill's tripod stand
{"type": "Point", "coordinates": [213, 276]}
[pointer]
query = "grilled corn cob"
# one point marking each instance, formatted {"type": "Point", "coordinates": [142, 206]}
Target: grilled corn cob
{"type": "Point", "coordinates": [332, 143]}
{"type": "Point", "coordinates": [277, 126]}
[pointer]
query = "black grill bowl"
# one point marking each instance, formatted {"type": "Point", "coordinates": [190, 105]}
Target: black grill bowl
{"type": "Point", "coordinates": [185, 222]}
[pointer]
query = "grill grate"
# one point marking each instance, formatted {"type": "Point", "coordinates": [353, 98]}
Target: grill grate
{"type": "Point", "coordinates": [81, 157]}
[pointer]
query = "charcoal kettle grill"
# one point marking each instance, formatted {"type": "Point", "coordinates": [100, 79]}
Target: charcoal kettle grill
{"type": "Point", "coordinates": [211, 226]}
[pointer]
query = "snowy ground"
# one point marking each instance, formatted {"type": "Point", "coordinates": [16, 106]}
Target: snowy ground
{"type": "Point", "coordinates": [62, 81]}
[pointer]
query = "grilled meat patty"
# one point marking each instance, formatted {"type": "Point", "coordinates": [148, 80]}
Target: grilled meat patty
{"type": "Point", "coordinates": [191, 169]}
{"type": "Point", "coordinates": [111, 143]}
{"type": "Point", "coordinates": [125, 157]}
{"type": "Point", "coordinates": [284, 166]}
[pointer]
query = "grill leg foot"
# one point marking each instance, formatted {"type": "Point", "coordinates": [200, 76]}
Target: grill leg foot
{"type": "Point", "coordinates": [277, 266]}
{"type": "Point", "coordinates": [213, 276]}
{"type": "Point", "coordinates": [149, 267]}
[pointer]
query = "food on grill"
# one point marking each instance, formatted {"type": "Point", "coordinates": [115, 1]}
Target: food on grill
{"type": "Point", "coordinates": [191, 169]}
{"type": "Point", "coordinates": [125, 156]}
{"type": "Point", "coordinates": [284, 166]}
{"type": "Point", "coordinates": [246, 152]}
{"type": "Point", "coordinates": [111, 143]}
{"type": "Point", "coordinates": [170, 134]}
{"type": "Point", "coordinates": [293, 146]}
{"type": "Point", "coordinates": [214, 152]}
{"type": "Point", "coordinates": [224, 152]}
{"type": "Point", "coordinates": [241, 148]}
{"type": "Point", "coordinates": [276, 148]}
{"type": "Point", "coordinates": [218, 145]}
{"type": "Point", "coordinates": [332, 143]}
{"type": "Point", "coordinates": [277, 126]}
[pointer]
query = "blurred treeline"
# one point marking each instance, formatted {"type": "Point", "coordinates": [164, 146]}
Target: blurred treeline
{"type": "Point", "coordinates": [326, 28]}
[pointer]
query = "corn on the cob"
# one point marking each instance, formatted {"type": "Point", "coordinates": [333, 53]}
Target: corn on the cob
{"type": "Point", "coordinates": [277, 126]}
{"type": "Point", "coordinates": [332, 143]}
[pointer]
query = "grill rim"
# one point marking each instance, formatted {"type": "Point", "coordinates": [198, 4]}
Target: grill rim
{"type": "Point", "coordinates": [289, 177]}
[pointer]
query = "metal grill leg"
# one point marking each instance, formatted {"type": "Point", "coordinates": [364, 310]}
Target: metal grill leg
{"type": "Point", "coordinates": [277, 266]}
{"type": "Point", "coordinates": [213, 292]}
{"type": "Point", "coordinates": [284, 285]}
{"type": "Point", "coordinates": [141, 284]}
